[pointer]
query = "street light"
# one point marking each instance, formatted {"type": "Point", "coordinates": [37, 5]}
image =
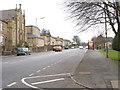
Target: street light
{"type": "Point", "coordinates": [106, 33]}
{"type": "Point", "coordinates": [37, 20]}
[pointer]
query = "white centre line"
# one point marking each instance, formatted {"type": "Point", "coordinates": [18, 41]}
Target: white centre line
{"type": "Point", "coordinates": [31, 74]}
{"type": "Point", "coordinates": [44, 68]}
{"type": "Point", "coordinates": [38, 71]}
{"type": "Point", "coordinates": [49, 81]}
{"type": "Point", "coordinates": [48, 66]}
{"type": "Point", "coordinates": [11, 84]}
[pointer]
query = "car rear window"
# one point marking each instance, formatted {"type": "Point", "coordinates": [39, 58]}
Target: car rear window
{"type": "Point", "coordinates": [57, 47]}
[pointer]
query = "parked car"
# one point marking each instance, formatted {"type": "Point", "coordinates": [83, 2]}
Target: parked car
{"type": "Point", "coordinates": [86, 47]}
{"type": "Point", "coordinates": [72, 47]}
{"type": "Point", "coordinates": [66, 47]}
{"type": "Point", "coordinates": [81, 47]}
{"type": "Point", "coordinates": [57, 48]}
{"type": "Point", "coordinates": [23, 51]}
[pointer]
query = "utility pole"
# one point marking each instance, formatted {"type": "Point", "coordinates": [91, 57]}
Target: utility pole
{"type": "Point", "coordinates": [118, 34]}
{"type": "Point", "coordinates": [106, 32]}
{"type": "Point", "coordinates": [37, 20]}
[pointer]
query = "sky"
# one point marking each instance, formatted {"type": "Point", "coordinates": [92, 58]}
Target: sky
{"type": "Point", "coordinates": [54, 18]}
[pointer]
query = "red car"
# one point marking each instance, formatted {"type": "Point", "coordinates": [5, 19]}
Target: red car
{"type": "Point", "coordinates": [57, 48]}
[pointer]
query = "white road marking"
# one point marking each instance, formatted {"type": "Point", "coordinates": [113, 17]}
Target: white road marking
{"type": "Point", "coordinates": [48, 66]}
{"type": "Point", "coordinates": [49, 75]}
{"type": "Point", "coordinates": [49, 81]}
{"type": "Point", "coordinates": [86, 50]}
{"type": "Point", "coordinates": [44, 68]}
{"type": "Point", "coordinates": [31, 74]}
{"type": "Point", "coordinates": [11, 84]}
{"type": "Point", "coordinates": [23, 81]}
{"type": "Point", "coordinates": [38, 71]}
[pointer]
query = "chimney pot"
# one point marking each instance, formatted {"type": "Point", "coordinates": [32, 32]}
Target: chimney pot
{"type": "Point", "coordinates": [16, 6]}
{"type": "Point", "coordinates": [20, 6]}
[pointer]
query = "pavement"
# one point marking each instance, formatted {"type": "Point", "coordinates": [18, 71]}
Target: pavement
{"type": "Point", "coordinates": [95, 71]}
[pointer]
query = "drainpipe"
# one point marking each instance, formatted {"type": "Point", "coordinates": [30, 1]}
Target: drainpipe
{"type": "Point", "coordinates": [16, 23]}
{"type": "Point", "coordinates": [24, 25]}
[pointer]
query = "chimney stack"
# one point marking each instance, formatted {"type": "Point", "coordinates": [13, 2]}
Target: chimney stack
{"type": "Point", "coordinates": [19, 6]}
{"type": "Point", "coordinates": [16, 6]}
{"type": "Point", "coordinates": [24, 13]}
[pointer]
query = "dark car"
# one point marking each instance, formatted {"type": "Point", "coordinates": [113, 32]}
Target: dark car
{"type": "Point", "coordinates": [66, 47]}
{"type": "Point", "coordinates": [57, 48]}
{"type": "Point", "coordinates": [23, 51]}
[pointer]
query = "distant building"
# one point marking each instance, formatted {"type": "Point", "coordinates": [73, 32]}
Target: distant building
{"type": "Point", "coordinates": [100, 42]}
{"type": "Point", "coordinates": [45, 34]}
{"type": "Point", "coordinates": [59, 41]}
{"type": "Point", "coordinates": [35, 41]}
{"type": "Point", "coordinates": [66, 43]}
{"type": "Point", "coordinates": [52, 41]}
{"type": "Point", "coordinates": [109, 42]}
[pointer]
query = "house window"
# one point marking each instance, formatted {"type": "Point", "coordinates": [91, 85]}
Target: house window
{"type": "Point", "coordinates": [1, 37]}
{"type": "Point", "coordinates": [0, 26]}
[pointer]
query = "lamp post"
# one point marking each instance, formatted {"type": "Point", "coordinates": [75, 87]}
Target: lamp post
{"type": "Point", "coordinates": [106, 33]}
{"type": "Point", "coordinates": [36, 25]}
{"type": "Point", "coordinates": [37, 20]}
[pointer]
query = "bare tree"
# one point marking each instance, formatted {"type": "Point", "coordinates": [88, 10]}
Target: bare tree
{"type": "Point", "coordinates": [76, 39]}
{"type": "Point", "coordinates": [88, 14]}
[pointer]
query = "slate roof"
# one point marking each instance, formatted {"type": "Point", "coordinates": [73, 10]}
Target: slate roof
{"type": "Point", "coordinates": [30, 35]}
{"type": "Point", "coordinates": [7, 14]}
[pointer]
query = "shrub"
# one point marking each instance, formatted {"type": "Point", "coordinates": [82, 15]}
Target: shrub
{"type": "Point", "coordinates": [115, 44]}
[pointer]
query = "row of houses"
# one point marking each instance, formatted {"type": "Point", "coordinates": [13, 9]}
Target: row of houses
{"type": "Point", "coordinates": [101, 42]}
{"type": "Point", "coordinates": [14, 33]}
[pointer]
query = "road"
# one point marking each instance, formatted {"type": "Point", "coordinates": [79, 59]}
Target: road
{"type": "Point", "coordinates": [40, 70]}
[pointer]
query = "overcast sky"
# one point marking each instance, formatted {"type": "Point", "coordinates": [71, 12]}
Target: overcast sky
{"type": "Point", "coordinates": [55, 18]}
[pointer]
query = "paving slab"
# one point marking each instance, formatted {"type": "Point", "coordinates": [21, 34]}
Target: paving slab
{"type": "Point", "coordinates": [114, 83]}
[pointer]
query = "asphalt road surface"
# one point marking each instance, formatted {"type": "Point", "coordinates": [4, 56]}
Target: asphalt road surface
{"type": "Point", "coordinates": [41, 70]}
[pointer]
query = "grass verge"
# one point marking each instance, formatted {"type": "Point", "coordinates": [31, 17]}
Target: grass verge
{"type": "Point", "coordinates": [112, 54]}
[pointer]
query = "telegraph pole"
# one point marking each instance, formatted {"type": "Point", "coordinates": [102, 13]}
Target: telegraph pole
{"type": "Point", "coordinates": [37, 20]}
{"type": "Point", "coordinates": [106, 45]}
